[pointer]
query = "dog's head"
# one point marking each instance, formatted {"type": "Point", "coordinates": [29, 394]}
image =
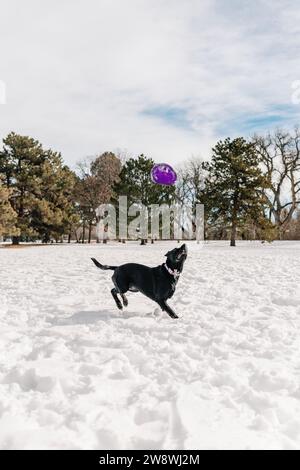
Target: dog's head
{"type": "Point", "coordinates": [177, 257]}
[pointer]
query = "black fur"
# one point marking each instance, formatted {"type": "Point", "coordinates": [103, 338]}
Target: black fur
{"type": "Point", "coordinates": [156, 283]}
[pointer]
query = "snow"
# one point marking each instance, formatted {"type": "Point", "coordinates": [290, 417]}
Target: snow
{"type": "Point", "coordinates": [76, 373]}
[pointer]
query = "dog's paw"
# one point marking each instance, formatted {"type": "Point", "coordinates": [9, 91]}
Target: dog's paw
{"type": "Point", "coordinates": [173, 315]}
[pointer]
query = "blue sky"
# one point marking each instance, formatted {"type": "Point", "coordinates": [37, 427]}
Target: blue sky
{"type": "Point", "coordinates": [244, 124]}
{"type": "Point", "coordinates": [172, 116]}
{"type": "Point", "coordinates": [273, 118]}
{"type": "Point", "coordinates": [162, 77]}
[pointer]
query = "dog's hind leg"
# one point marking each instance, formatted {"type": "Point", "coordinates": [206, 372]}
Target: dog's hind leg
{"type": "Point", "coordinates": [166, 308]}
{"type": "Point", "coordinates": [114, 293]}
{"type": "Point", "coordinates": [120, 288]}
{"type": "Point", "coordinates": [125, 300]}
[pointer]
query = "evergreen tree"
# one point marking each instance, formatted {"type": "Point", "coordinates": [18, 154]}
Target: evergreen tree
{"type": "Point", "coordinates": [54, 214]}
{"type": "Point", "coordinates": [8, 217]}
{"type": "Point", "coordinates": [234, 185]}
{"type": "Point", "coordinates": [20, 162]}
{"type": "Point", "coordinates": [135, 183]}
{"type": "Point", "coordinates": [40, 187]}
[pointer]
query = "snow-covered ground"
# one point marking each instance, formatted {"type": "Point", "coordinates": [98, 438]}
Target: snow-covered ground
{"type": "Point", "coordinates": [75, 373]}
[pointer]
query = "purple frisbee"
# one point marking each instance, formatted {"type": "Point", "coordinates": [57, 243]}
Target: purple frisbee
{"type": "Point", "coordinates": [162, 173]}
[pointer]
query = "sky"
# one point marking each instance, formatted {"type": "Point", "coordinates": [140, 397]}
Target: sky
{"type": "Point", "coordinates": [167, 78]}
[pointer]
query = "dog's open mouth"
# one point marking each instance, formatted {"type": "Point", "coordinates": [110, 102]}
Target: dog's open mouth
{"type": "Point", "coordinates": [183, 253]}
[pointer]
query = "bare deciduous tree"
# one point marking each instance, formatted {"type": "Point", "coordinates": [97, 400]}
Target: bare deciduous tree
{"type": "Point", "coordinates": [190, 185]}
{"type": "Point", "coordinates": [95, 186]}
{"type": "Point", "coordinates": [190, 182]}
{"type": "Point", "coordinates": [280, 157]}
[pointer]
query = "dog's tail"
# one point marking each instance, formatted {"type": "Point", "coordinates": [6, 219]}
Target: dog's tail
{"type": "Point", "coordinates": [103, 266]}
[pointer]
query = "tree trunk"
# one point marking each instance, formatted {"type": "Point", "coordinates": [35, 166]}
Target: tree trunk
{"type": "Point", "coordinates": [97, 233]}
{"type": "Point", "coordinates": [233, 233]}
{"type": "Point", "coordinates": [234, 220]}
{"type": "Point", "coordinates": [83, 232]}
{"type": "Point", "coordinates": [69, 237]}
{"type": "Point", "coordinates": [90, 232]}
{"type": "Point", "coordinates": [15, 240]}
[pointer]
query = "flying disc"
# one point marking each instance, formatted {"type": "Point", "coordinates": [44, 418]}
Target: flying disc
{"type": "Point", "coordinates": [163, 173]}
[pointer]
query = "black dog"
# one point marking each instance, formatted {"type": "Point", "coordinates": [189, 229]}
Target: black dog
{"type": "Point", "coordinates": [157, 283]}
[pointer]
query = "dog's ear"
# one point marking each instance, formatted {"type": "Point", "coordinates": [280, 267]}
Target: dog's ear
{"type": "Point", "coordinates": [171, 251]}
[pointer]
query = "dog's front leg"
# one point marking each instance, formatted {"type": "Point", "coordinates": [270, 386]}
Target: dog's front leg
{"type": "Point", "coordinates": [114, 293]}
{"type": "Point", "coordinates": [166, 308]}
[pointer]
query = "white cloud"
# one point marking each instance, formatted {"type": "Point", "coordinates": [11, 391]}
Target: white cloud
{"type": "Point", "coordinates": [80, 75]}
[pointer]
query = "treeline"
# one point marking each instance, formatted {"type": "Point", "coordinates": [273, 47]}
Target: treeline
{"type": "Point", "coordinates": [249, 188]}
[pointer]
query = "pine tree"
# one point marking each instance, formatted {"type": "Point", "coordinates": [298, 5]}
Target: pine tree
{"type": "Point", "coordinates": [135, 183]}
{"type": "Point", "coordinates": [40, 187]}
{"type": "Point", "coordinates": [8, 217]}
{"type": "Point", "coordinates": [54, 213]}
{"type": "Point", "coordinates": [234, 184]}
